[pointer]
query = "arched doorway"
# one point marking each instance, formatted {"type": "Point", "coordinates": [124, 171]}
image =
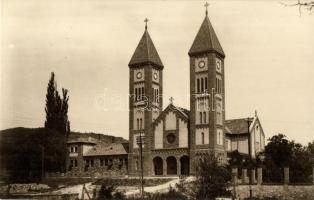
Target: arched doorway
{"type": "Point", "coordinates": [171, 165]}
{"type": "Point", "coordinates": [185, 165]}
{"type": "Point", "coordinates": [158, 165]}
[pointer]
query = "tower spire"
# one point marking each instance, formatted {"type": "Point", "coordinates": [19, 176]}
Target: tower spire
{"type": "Point", "coordinates": [206, 6]}
{"type": "Point", "coordinates": [146, 20]}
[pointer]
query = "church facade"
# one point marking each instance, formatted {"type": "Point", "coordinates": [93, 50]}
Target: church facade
{"type": "Point", "coordinates": [175, 139]}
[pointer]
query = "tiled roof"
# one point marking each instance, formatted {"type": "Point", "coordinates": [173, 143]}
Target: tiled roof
{"type": "Point", "coordinates": [206, 40]}
{"type": "Point", "coordinates": [112, 149]}
{"type": "Point", "coordinates": [237, 126]}
{"type": "Point", "coordinates": [88, 140]}
{"type": "Point", "coordinates": [145, 52]}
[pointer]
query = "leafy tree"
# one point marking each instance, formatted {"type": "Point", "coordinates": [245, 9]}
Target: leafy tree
{"type": "Point", "coordinates": [212, 179]}
{"type": "Point", "coordinates": [280, 153]}
{"type": "Point", "coordinates": [236, 159]}
{"type": "Point", "coordinates": [310, 149]}
{"type": "Point", "coordinates": [280, 150]}
{"type": "Point", "coordinates": [300, 164]}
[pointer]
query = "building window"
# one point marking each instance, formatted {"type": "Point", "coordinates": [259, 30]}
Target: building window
{"type": "Point", "coordinates": [171, 138]}
{"type": "Point", "coordinates": [92, 163]}
{"type": "Point", "coordinates": [204, 116]}
{"type": "Point", "coordinates": [201, 117]}
{"type": "Point", "coordinates": [139, 93]}
{"type": "Point", "coordinates": [141, 123]}
{"type": "Point", "coordinates": [203, 138]}
{"type": "Point", "coordinates": [219, 137]}
{"type": "Point", "coordinates": [218, 84]}
{"type": "Point", "coordinates": [137, 123]}
{"type": "Point", "coordinates": [218, 113]}
{"type": "Point", "coordinates": [155, 95]}
{"type": "Point", "coordinates": [143, 93]}
{"type": "Point", "coordinates": [202, 85]}
{"type": "Point", "coordinates": [198, 85]}
{"type": "Point", "coordinates": [205, 83]}
{"type": "Point", "coordinates": [73, 163]}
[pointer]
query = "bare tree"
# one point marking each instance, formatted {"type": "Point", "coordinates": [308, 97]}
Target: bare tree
{"type": "Point", "coordinates": [307, 5]}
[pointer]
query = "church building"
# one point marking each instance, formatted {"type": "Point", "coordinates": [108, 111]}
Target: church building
{"type": "Point", "coordinates": [174, 139]}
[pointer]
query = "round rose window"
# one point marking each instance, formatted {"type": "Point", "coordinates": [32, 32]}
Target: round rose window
{"type": "Point", "coordinates": [171, 138]}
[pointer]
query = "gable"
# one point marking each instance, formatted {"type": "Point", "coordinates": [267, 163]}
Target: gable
{"type": "Point", "coordinates": [171, 128]}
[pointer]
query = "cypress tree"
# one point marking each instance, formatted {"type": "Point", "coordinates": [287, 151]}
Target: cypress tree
{"type": "Point", "coordinates": [57, 127]}
{"type": "Point", "coordinates": [51, 103]}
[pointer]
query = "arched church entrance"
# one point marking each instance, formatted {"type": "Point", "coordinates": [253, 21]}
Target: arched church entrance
{"type": "Point", "coordinates": [158, 165]}
{"type": "Point", "coordinates": [171, 165]}
{"type": "Point", "coordinates": [185, 165]}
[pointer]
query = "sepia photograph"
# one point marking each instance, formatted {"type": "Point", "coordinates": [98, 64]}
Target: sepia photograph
{"type": "Point", "coordinates": [161, 100]}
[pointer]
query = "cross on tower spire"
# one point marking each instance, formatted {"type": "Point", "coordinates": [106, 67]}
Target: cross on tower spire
{"type": "Point", "coordinates": [206, 6]}
{"type": "Point", "coordinates": [146, 20]}
{"type": "Point", "coordinates": [171, 100]}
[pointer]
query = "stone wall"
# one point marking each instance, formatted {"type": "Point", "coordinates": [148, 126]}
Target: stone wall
{"type": "Point", "coordinates": [288, 192]}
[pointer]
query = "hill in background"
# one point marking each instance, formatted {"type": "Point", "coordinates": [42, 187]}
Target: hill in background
{"type": "Point", "coordinates": [21, 151]}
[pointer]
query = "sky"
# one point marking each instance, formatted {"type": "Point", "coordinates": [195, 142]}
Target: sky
{"type": "Point", "coordinates": [88, 44]}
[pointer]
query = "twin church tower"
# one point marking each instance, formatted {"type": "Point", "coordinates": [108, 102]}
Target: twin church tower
{"type": "Point", "coordinates": [175, 139]}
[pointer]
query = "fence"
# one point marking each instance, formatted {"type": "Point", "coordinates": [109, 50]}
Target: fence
{"type": "Point", "coordinates": [270, 176]}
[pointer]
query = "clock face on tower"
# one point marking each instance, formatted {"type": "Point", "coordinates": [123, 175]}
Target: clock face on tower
{"type": "Point", "coordinates": [155, 76]}
{"type": "Point", "coordinates": [139, 75]}
{"type": "Point", "coordinates": [201, 64]}
{"type": "Point", "coordinates": [218, 65]}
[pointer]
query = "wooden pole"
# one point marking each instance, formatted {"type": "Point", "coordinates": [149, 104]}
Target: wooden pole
{"type": "Point", "coordinates": [142, 173]}
{"type": "Point", "coordinates": [250, 157]}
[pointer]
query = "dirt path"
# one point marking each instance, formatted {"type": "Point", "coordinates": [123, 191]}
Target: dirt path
{"type": "Point", "coordinates": [154, 189]}
{"type": "Point", "coordinates": [76, 189]}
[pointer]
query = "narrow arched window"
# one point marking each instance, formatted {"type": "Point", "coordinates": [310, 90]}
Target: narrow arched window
{"type": "Point", "coordinates": [143, 93]}
{"type": "Point", "coordinates": [203, 138]}
{"type": "Point", "coordinates": [141, 124]}
{"type": "Point", "coordinates": [138, 124]}
{"type": "Point", "coordinates": [202, 85]}
{"type": "Point", "coordinates": [204, 116]}
{"type": "Point", "coordinates": [201, 120]}
{"type": "Point", "coordinates": [198, 85]}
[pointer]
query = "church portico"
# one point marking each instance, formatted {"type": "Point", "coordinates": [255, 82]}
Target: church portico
{"type": "Point", "coordinates": [176, 163]}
